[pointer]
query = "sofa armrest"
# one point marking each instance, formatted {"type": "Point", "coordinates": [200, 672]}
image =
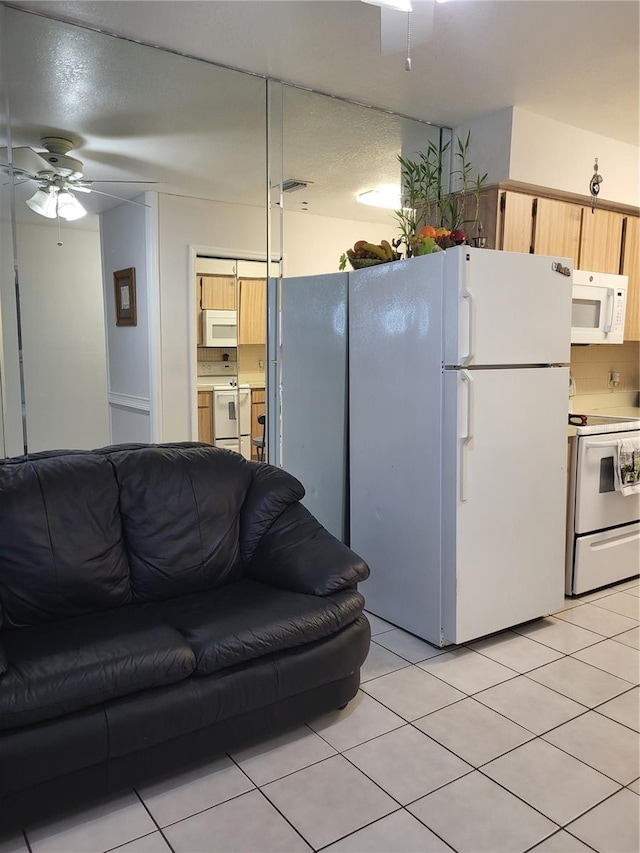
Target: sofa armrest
{"type": "Point", "coordinates": [297, 553]}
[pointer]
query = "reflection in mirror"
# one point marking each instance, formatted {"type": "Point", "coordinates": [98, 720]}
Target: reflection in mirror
{"type": "Point", "coordinates": [184, 143]}
{"type": "Point", "coordinates": [332, 151]}
{"type": "Point", "coordinates": [338, 151]}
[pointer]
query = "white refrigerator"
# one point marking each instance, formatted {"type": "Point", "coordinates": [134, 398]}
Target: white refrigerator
{"type": "Point", "coordinates": [458, 401]}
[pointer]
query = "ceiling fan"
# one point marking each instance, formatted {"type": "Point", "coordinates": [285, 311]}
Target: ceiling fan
{"type": "Point", "coordinates": [58, 176]}
{"type": "Point", "coordinates": [404, 23]}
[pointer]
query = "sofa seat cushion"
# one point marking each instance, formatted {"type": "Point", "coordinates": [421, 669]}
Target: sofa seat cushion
{"type": "Point", "coordinates": [66, 666]}
{"type": "Point", "coordinates": [247, 619]}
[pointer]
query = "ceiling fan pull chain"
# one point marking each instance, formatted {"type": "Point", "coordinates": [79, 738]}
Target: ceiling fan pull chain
{"type": "Point", "coordinates": [58, 221]}
{"type": "Point", "coordinates": [407, 64]}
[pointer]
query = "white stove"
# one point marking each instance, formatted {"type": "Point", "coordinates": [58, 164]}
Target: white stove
{"type": "Point", "coordinates": [603, 525]}
{"type": "Point", "coordinates": [590, 424]}
{"type": "Point", "coordinates": [231, 405]}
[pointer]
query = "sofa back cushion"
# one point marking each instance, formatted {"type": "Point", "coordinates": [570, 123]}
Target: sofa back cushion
{"type": "Point", "coordinates": [61, 547]}
{"type": "Point", "coordinates": [180, 508]}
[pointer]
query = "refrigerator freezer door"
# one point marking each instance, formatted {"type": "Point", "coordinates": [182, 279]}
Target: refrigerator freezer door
{"type": "Point", "coordinates": [395, 390]}
{"type": "Point", "coordinates": [503, 485]}
{"type": "Point", "coordinates": [312, 377]}
{"type": "Point", "coordinates": [506, 308]}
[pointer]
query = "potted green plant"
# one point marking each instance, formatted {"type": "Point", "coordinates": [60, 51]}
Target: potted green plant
{"type": "Point", "coordinates": [432, 216]}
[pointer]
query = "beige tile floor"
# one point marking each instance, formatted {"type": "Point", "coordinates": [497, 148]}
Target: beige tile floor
{"type": "Point", "coordinates": [525, 741]}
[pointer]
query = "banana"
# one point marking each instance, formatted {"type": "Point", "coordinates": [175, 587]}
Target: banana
{"type": "Point", "coordinates": [375, 250]}
{"type": "Point", "coordinates": [386, 246]}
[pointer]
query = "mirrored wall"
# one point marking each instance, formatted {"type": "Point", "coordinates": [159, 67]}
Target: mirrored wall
{"type": "Point", "coordinates": [183, 159]}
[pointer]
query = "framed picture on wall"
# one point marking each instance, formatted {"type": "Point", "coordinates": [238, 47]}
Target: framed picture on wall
{"type": "Point", "coordinates": [124, 282]}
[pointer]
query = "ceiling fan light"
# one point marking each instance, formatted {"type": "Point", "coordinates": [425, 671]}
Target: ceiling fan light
{"type": "Point", "coordinates": [43, 201]}
{"type": "Point", "coordinates": [386, 195]}
{"type": "Point", "coordinates": [69, 207]}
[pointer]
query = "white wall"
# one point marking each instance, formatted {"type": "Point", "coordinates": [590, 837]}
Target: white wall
{"type": "Point", "coordinates": [518, 145]}
{"type": "Point", "coordinates": [552, 154]}
{"type": "Point", "coordinates": [490, 146]}
{"type": "Point", "coordinates": [313, 244]}
{"type": "Point", "coordinates": [63, 336]}
{"type": "Point", "coordinates": [124, 244]}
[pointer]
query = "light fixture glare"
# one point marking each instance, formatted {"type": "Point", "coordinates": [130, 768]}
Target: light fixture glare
{"type": "Point", "coordinates": [69, 207]}
{"type": "Point", "coordinates": [386, 195]}
{"type": "Point", "coordinates": [398, 5]}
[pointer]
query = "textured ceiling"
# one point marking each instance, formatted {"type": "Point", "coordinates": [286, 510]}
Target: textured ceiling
{"type": "Point", "coordinates": [198, 129]}
{"type": "Point", "coordinates": [572, 60]}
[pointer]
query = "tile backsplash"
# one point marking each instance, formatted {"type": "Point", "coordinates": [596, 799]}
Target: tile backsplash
{"type": "Point", "coordinates": [592, 364]}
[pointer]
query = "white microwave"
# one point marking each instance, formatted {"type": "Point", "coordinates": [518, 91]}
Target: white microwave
{"type": "Point", "coordinates": [598, 307]}
{"type": "Point", "coordinates": [219, 328]}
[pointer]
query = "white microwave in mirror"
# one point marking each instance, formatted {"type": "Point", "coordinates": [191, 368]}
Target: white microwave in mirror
{"type": "Point", "coordinates": [598, 307]}
{"type": "Point", "coordinates": [219, 328]}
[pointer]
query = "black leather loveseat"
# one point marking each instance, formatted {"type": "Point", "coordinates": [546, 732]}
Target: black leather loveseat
{"type": "Point", "coordinates": [159, 604]}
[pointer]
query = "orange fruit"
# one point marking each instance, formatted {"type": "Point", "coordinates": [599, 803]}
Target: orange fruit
{"type": "Point", "coordinates": [427, 231]}
{"type": "Point", "coordinates": [442, 232]}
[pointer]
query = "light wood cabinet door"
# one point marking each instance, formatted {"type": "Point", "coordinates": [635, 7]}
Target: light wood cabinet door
{"type": "Point", "coordinates": [218, 291]}
{"type": "Point", "coordinates": [258, 407]}
{"type": "Point", "coordinates": [205, 416]}
{"type": "Point", "coordinates": [600, 240]}
{"type": "Point", "coordinates": [557, 228]}
{"type": "Point", "coordinates": [252, 311]}
{"type": "Point", "coordinates": [516, 222]}
{"type": "Point", "coordinates": [631, 267]}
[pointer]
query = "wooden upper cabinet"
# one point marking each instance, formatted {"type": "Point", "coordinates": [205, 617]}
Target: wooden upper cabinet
{"type": "Point", "coordinates": [556, 229]}
{"type": "Point", "coordinates": [252, 311]}
{"type": "Point", "coordinates": [214, 291]}
{"type": "Point", "coordinates": [600, 240]}
{"type": "Point", "coordinates": [218, 291]}
{"type": "Point", "coordinates": [516, 222]}
{"type": "Point", "coordinates": [631, 267]}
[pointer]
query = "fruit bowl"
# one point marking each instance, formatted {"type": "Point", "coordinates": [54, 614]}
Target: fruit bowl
{"type": "Point", "coordinates": [361, 263]}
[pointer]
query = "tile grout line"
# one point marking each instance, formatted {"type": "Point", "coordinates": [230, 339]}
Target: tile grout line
{"type": "Point", "coordinates": [273, 805]}
{"type": "Point", "coordinates": [166, 840]}
{"type": "Point", "coordinates": [26, 840]}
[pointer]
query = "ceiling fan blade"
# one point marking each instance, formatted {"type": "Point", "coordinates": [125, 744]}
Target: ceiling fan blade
{"type": "Point", "coordinates": [110, 195]}
{"type": "Point", "coordinates": [25, 159]}
{"type": "Point", "coordinates": [98, 181]}
{"type": "Point", "coordinates": [20, 177]}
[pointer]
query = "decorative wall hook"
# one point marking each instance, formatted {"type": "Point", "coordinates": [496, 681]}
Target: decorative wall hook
{"type": "Point", "coordinates": [594, 186]}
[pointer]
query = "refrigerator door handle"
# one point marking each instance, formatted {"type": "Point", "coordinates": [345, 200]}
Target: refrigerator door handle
{"type": "Point", "coordinates": [468, 295]}
{"type": "Point", "coordinates": [465, 376]}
